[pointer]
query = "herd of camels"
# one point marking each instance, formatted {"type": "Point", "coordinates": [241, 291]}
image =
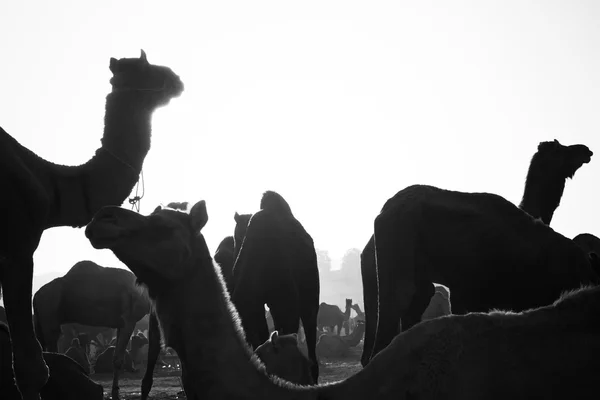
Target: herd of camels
{"type": "Point", "coordinates": [491, 254]}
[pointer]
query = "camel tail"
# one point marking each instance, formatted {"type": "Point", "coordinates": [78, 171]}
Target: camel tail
{"type": "Point", "coordinates": [39, 333]}
{"type": "Point", "coordinates": [274, 202]}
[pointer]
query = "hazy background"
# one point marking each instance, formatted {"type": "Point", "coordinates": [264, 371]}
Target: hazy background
{"type": "Point", "coordinates": [336, 105]}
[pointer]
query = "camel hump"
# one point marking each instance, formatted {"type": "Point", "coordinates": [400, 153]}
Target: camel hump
{"type": "Point", "coordinates": [273, 201]}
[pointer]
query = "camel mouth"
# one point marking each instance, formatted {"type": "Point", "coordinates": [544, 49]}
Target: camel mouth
{"type": "Point", "coordinates": [102, 234]}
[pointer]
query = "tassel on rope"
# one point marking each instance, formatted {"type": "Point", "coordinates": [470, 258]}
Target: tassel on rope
{"type": "Point", "coordinates": [135, 201]}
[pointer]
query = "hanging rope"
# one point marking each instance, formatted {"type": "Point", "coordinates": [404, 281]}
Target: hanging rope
{"type": "Point", "coordinates": [135, 201]}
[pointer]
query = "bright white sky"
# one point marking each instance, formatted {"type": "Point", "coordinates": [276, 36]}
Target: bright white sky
{"type": "Point", "coordinates": [336, 105]}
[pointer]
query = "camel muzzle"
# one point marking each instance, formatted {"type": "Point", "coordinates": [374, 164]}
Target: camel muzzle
{"type": "Point", "coordinates": [110, 224]}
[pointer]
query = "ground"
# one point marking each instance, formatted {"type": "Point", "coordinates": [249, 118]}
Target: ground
{"type": "Point", "coordinates": [167, 382]}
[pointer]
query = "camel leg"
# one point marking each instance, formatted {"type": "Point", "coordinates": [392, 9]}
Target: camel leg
{"type": "Point", "coordinates": [31, 372]}
{"type": "Point", "coordinates": [153, 350]}
{"type": "Point", "coordinates": [309, 322]}
{"type": "Point", "coordinates": [396, 266]}
{"type": "Point", "coordinates": [368, 270]}
{"type": "Point", "coordinates": [123, 335]}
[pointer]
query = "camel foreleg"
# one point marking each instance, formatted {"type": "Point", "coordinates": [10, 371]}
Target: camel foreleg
{"type": "Point", "coordinates": [31, 372]}
{"type": "Point", "coordinates": [123, 335]}
{"type": "Point", "coordinates": [153, 350]}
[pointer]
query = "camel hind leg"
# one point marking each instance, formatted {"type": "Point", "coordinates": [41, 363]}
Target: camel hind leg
{"type": "Point", "coordinates": [123, 335]}
{"type": "Point", "coordinates": [153, 351]}
{"type": "Point", "coordinates": [395, 256]}
{"type": "Point", "coordinates": [31, 372]}
{"type": "Point", "coordinates": [368, 271]}
{"type": "Point", "coordinates": [309, 323]}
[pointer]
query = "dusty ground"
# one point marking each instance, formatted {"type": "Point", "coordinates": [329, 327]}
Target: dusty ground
{"type": "Point", "coordinates": [167, 383]}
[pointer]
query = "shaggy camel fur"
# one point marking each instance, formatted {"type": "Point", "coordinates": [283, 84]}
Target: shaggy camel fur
{"type": "Point", "coordinates": [550, 352]}
{"type": "Point", "coordinates": [487, 251]}
{"type": "Point", "coordinates": [549, 168]}
{"type": "Point", "coordinates": [68, 380]}
{"type": "Point", "coordinates": [331, 316]}
{"type": "Point", "coordinates": [93, 295]}
{"type": "Point", "coordinates": [277, 266]}
{"type": "Point", "coordinates": [42, 195]}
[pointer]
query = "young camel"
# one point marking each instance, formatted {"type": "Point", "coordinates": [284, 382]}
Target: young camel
{"type": "Point", "coordinates": [42, 195]}
{"type": "Point", "coordinates": [546, 352]}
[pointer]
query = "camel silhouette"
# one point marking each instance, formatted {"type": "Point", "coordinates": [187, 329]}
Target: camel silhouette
{"type": "Point", "coordinates": [42, 195]}
{"type": "Point", "coordinates": [549, 168]}
{"type": "Point", "coordinates": [277, 266]}
{"type": "Point", "coordinates": [282, 357]}
{"type": "Point", "coordinates": [90, 294]}
{"type": "Point", "coordinates": [331, 316]}
{"type": "Point", "coordinates": [339, 346]}
{"type": "Point", "coordinates": [68, 380]}
{"type": "Point", "coordinates": [224, 257]}
{"type": "Point", "coordinates": [548, 352]}
{"type": "Point", "coordinates": [488, 252]}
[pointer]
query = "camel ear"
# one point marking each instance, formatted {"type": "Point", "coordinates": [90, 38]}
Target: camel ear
{"type": "Point", "coordinates": [113, 65]}
{"type": "Point", "coordinates": [274, 337]}
{"type": "Point", "coordinates": [157, 209]}
{"type": "Point", "coordinates": [199, 216]}
{"type": "Point", "coordinates": [236, 217]}
{"type": "Point", "coordinates": [143, 57]}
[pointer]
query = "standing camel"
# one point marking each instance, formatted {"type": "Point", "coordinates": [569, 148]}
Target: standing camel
{"type": "Point", "coordinates": [91, 295]}
{"type": "Point", "coordinates": [42, 195]}
{"type": "Point", "coordinates": [549, 168]}
{"type": "Point", "coordinates": [487, 251]}
{"type": "Point", "coordinates": [550, 352]}
{"type": "Point", "coordinates": [331, 316]}
{"type": "Point", "coordinates": [277, 266]}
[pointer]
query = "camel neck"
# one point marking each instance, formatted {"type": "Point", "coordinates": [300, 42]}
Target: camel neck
{"type": "Point", "coordinates": [78, 192]}
{"type": "Point", "coordinates": [201, 324]}
{"type": "Point", "coordinates": [127, 128]}
{"type": "Point", "coordinates": [542, 194]}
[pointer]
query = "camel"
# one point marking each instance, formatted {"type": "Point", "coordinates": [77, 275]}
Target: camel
{"type": "Point", "coordinates": [90, 294]}
{"type": "Point", "coordinates": [224, 257]}
{"type": "Point", "coordinates": [331, 316]}
{"type": "Point", "coordinates": [68, 380]}
{"type": "Point", "coordinates": [487, 251]}
{"type": "Point", "coordinates": [276, 265]}
{"type": "Point", "coordinates": [42, 195]}
{"type": "Point", "coordinates": [549, 168]}
{"type": "Point", "coordinates": [548, 352]}
{"type": "Point", "coordinates": [282, 357]}
{"type": "Point", "coordinates": [335, 346]}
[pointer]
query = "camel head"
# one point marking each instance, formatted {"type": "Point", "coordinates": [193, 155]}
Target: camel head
{"type": "Point", "coordinates": [159, 84]}
{"type": "Point", "coordinates": [282, 357]}
{"type": "Point", "coordinates": [348, 303]}
{"type": "Point", "coordinates": [163, 246]}
{"type": "Point", "coordinates": [241, 226]}
{"type": "Point", "coordinates": [565, 160]}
